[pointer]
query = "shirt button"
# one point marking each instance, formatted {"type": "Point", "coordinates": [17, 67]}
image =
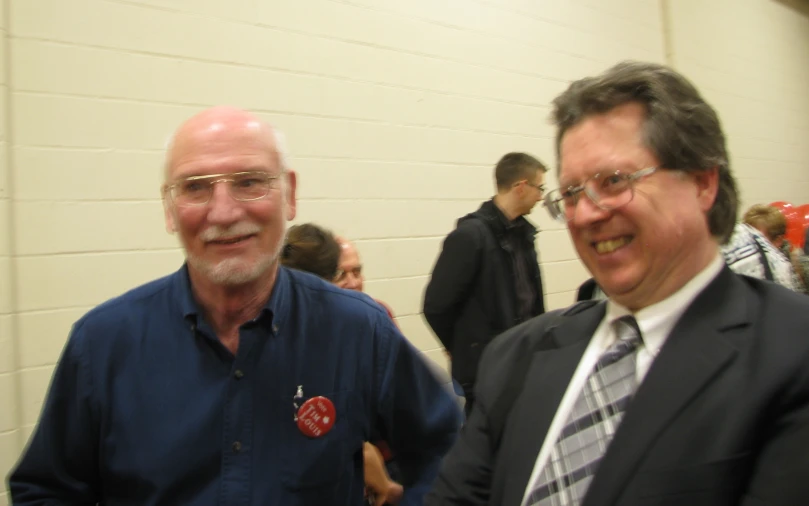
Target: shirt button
{"type": "Point", "coordinates": [275, 328]}
{"type": "Point", "coordinates": [238, 374]}
{"type": "Point", "coordinates": [237, 447]}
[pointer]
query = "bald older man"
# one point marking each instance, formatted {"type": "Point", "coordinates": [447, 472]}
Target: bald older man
{"type": "Point", "coordinates": [233, 380]}
{"type": "Point", "coordinates": [349, 271]}
{"type": "Point", "coordinates": [349, 266]}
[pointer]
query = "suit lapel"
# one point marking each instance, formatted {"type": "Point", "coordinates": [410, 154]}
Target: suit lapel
{"type": "Point", "coordinates": [697, 350]}
{"type": "Point", "coordinates": [547, 379]}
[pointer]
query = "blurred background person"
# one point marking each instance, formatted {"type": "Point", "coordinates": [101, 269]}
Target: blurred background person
{"type": "Point", "coordinates": [771, 222]}
{"type": "Point", "coordinates": [311, 248]}
{"type": "Point", "coordinates": [750, 253]}
{"type": "Point", "coordinates": [349, 271]}
{"type": "Point", "coordinates": [487, 277]}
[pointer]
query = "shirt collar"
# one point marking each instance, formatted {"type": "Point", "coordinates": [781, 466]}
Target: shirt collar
{"type": "Point", "coordinates": [508, 225]}
{"type": "Point", "coordinates": [182, 283]}
{"type": "Point", "coordinates": [502, 217]}
{"type": "Point", "coordinates": [276, 307]}
{"type": "Point", "coordinates": [657, 321]}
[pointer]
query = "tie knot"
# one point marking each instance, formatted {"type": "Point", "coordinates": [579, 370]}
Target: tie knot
{"type": "Point", "coordinates": [627, 331]}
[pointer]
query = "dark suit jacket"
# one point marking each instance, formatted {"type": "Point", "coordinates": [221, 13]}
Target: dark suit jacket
{"type": "Point", "coordinates": [586, 290]}
{"type": "Point", "coordinates": [722, 417]}
{"type": "Point", "coordinates": [472, 295]}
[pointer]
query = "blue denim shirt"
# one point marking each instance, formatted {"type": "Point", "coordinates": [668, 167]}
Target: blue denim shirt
{"type": "Point", "coordinates": [147, 407]}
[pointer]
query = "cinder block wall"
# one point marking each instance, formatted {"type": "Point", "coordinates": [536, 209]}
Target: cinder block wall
{"type": "Point", "coordinates": [395, 113]}
{"type": "Point", "coordinates": [751, 60]}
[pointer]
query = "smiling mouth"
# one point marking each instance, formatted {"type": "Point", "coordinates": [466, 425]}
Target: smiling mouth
{"type": "Point", "coordinates": [604, 247]}
{"type": "Point", "coordinates": [231, 240]}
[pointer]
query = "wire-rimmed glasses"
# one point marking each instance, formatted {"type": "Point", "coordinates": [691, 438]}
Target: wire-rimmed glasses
{"type": "Point", "coordinates": [540, 187]}
{"type": "Point", "coordinates": [242, 186]}
{"type": "Point", "coordinates": [607, 190]}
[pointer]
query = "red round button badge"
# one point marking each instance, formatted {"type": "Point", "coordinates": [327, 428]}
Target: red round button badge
{"type": "Point", "coordinates": [316, 417]}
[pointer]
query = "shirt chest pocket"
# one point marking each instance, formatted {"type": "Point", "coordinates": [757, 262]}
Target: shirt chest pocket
{"type": "Point", "coordinates": [308, 461]}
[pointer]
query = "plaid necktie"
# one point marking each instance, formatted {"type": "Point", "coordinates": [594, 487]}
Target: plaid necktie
{"type": "Point", "coordinates": [591, 425]}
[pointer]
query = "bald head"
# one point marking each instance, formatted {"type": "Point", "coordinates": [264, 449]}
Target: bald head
{"type": "Point", "coordinates": [221, 125]}
{"type": "Point", "coordinates": [350, 268]}
{"type": "Point", "coordinates": [343, 242]}
{"type": "Point", "coordinates": [219, 157]}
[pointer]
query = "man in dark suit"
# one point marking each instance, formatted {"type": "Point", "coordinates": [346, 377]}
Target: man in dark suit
{"type": "Point", "coordinates": [689, 385]}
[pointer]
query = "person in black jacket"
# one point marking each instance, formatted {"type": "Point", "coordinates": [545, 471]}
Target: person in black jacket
{"type": "Point", "coordinates": [487, 279]}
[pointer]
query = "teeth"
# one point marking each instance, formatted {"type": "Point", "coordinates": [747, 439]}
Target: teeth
{"type": "Point", "coordinates": [611, 245]}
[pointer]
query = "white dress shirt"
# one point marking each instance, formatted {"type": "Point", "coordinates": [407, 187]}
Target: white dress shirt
{"type": "Point", "coordinates": [655, 322]}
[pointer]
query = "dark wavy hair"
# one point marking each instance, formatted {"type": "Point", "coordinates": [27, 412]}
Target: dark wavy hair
{"type": "Point", "coordinates": [681, 129]}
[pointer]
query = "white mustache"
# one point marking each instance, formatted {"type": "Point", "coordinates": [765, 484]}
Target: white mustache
{"type": "Point", "coordinates": [217, 233]}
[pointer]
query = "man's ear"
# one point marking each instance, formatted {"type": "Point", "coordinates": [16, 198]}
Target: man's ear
{"type": "Point", "coordinates": [517, 188]}
{"type": "Point", "coordinates": [290, 187]}
{"type": "Point", "coordinates": [168, 213]}
{"type": "Point", "coordinates": [707, 187]}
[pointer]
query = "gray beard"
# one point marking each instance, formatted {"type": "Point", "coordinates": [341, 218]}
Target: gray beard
{"type": "Point", "coordinates": [233, 271]}
{"type": "Point", "coordinates": [236, 271]}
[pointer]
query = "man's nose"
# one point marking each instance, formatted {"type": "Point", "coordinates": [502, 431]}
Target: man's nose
{"type": "Point", "coordinates": [222, 207]}
{"type": "Point", "coordinates": [586, 212]}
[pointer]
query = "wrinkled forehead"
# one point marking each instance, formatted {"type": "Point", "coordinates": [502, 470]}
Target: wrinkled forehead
{"type": "Point", "coordinates": [221, 147]}
{"type": "Point", "coordinates": [349, 258]}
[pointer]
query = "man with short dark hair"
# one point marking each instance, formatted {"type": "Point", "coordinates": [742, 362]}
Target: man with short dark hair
{"type": "Point", "coordinates": [487, 278]}
{"type": "Point", "coordinates": [689, 385]}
